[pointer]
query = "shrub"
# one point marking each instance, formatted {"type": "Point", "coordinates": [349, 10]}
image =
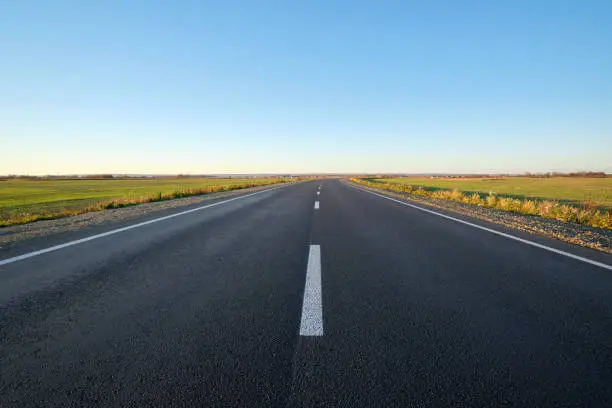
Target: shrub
{"type": "Point", "coordinates": [529, 207]}
{"type": "Point", "coordinates": [491, 200]}
{"type": "Point", "coordinates": [546, 208]}
{"type": "Point", "coordinates": [456, 195]}
{"type": "Point", "coordinates": [475, 199]}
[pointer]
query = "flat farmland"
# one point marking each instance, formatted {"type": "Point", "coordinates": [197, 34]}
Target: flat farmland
{"type": "Point", "coordinates": [23, 200]}
{"type": "Point", "coordinates": [571, 190]}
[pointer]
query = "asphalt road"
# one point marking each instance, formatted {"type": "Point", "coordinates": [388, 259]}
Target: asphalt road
{"type": "Point", "coordinates": [274, 300]}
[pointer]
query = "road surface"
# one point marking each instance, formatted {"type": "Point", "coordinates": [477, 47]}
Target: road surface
{"type": "Point", "coordinates": [300, 296]}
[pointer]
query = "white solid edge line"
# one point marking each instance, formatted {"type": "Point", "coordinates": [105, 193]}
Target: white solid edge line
{"type": "Point", "coordinates": [116, 231]}
{"type": "Point", "coordinates": [503, 234]}
{"type": "Point", "coordinates": [312, 307]}
{"type": "Point", "coordinates": [316, 206]}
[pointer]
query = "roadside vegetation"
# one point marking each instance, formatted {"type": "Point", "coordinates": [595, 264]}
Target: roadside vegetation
{"type": "Point", "coordinates": [580, 191]}
{"type": "Point", "coordinates": [585, 201]}
{"type": "Point", "coordinates": [27, 200]}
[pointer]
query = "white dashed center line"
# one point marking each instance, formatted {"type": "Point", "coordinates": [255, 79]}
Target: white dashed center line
{"type": "Point", "coordinates": [312, 308]}
{"type": "Point", "coordinates": [316, 207]}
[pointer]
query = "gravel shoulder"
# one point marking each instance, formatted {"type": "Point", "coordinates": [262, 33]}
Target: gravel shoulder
{"type": "Point", "coordinates": [595, 238]}
{"type": "Point", "coordinates": [24, 232]}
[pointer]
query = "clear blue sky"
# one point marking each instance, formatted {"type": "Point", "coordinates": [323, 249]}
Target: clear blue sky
{"type": "Point", "coordinates": [305, 86]}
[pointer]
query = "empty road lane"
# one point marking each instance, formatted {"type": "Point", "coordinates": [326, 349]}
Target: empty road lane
{"type": "Point", "coordinates": [201, 309]}
{"type": "Point", "coordinates": [314, 294]}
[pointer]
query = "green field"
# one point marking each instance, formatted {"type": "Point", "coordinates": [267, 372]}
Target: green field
{"type": "Point", "coordinates": [29, 200]}
{"type": "Point", "coordinates": [572, 190]}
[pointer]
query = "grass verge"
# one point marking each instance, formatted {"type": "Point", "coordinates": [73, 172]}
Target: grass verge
{"type": "Point", "coordinates": [594, 217]}
{"type": "Point", "coordinates": [579, 191]}
{"type": "Point", "coordinates": [59, 197]}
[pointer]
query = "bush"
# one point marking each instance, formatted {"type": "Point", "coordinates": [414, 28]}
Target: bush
{"type": "Point", "coordinates": [491, 200]}
{"type": "Point", "coordinates": [475, 199]}
{"type": "Point", "coordinates": [529, 207]}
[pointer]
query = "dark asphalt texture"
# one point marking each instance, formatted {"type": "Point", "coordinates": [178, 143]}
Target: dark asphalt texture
{"type": "Point", "coordinates": [204, 310]}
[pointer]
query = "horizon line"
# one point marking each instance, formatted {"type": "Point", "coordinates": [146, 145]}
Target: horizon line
{"type": "Point", "coordinates": [524, 173]}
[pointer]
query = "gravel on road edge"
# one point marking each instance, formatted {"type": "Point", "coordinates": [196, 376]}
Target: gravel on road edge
{"type": "Point", "coordinates": [583, 235]}
{"type": "Point", "coordinates": [19, 233]}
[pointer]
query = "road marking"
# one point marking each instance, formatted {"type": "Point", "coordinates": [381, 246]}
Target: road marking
{"type": "Point", "coordinates": [316, 207]}
{"type": "Point", "coordinates": [118, 230]}
{"type": "Point", "coordinates": [318, 193]}
{"type": "Point", "coordinates": [312, 308]}
{"type": "Point", "coordinates": [503, 234]}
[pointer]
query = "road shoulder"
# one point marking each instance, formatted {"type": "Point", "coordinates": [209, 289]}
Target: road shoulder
{"type": "Point", "coordinates": [25, 234]}
{"type": "Point", "coordinates": [576, 234]}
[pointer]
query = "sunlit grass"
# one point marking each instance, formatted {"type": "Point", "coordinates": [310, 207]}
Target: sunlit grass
{"type": "Point", "coordinates": [583, 214]}
{"type": "Point", "coordinates": [24, 201]}
{"type": "Point", "coordinates": [590, 191]}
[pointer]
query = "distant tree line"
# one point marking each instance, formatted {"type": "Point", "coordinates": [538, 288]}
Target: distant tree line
{"type": "Point", "coordinates": [136, 177]}
{"type": "Point", "coordinates": [593, 174]}
{"type": "Point", "coordinates": [71, 177]}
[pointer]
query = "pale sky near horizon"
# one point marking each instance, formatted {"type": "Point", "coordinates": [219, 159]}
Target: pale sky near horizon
{"type": "Point", "coordinates": [294, 86]}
